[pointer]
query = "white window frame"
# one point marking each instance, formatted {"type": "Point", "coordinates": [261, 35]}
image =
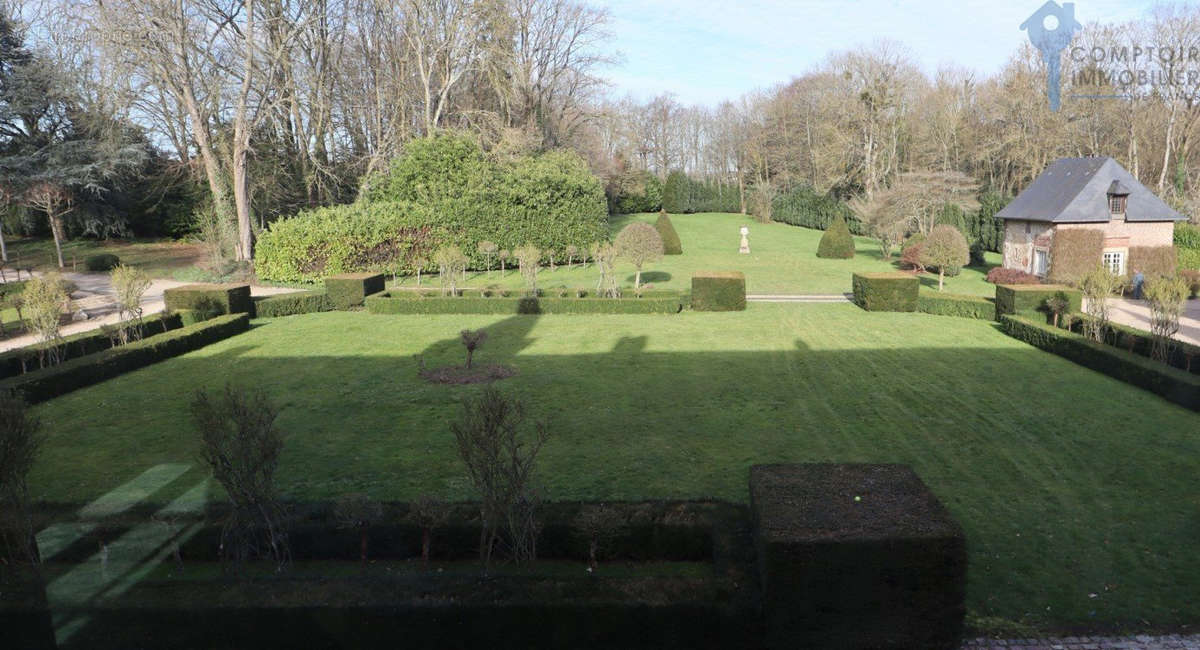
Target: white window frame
{"type": "Point", "coordinates": [1043, 254]}
{"type": "Point", "coordinates": [1115, 257]}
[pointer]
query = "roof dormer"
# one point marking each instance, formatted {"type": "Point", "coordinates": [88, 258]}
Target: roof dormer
{"type": "Point", "coordinates": [1118, 198]}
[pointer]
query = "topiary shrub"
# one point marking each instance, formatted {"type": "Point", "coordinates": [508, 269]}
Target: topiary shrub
{"type": "Point", "coordinates": [1025, 298]}
{"type": "Point", "coordinates": [946, 250]}
{"type": "Point", "coordinates": [1152, 261]}
{"type": "Point", "coordinates": [349, 290]}
{"type": "Point", "coordinates": [719, 291]}
{"type": "Point", "coordinates": [670, 238]}
{"type": "Point", "coordinates": [214, 299]}
{"type": "Point", "coordinates": [101, 262]}
{"type": "Point", "coordinates": [886, 291]}
{"type": "Point", "coordinates": [292, 304]}
{"type": "Point", "coordinates": [837, 242]}
{"type": "Point", "coordinates": [911, 251]}
{"type": "Point", "coordinates": [949, 304]}
{"type": "Point", "coordinates": [1073, 253]}
{"type": "Point", "coordinates": [639, 244]}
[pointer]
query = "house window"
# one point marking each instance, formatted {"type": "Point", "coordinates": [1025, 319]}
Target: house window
{"type": "Point", "coordinates": [1114, 261]}
{"type": "Point", "coordinates": [1041, 263]}
{"type": "Point", "coordinates": [1116, 204]}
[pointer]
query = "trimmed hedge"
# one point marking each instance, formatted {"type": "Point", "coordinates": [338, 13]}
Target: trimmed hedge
{"type": "Point", "coordinates": [1152, 261]}
{"type": "Point", "coordinates": [856, 556]}
{"type": "Point", "coordinates": [399, 303]}
{"type": "Point", "coordinates": [1172, 384]}
{"type": "Point", "coordinates": [670, 238]}
{"type": "Point", "coordinates": [719, 291]}
{"type": "Point", "coordinates": [73, 374]}
{"type": "Point", "coordinates": [21, 360]}
{"type": "Point", "coordinates": [351, 289]}
{"type": "Point", "coordinates": [837, 242]}
{"type": "Point", "coordinates": [1074, 252]}
{"type": "Point", "coordinates": [1187, 245]}
{"type": "Point", "coordinates": [683, 195]}
{"type": "Point", "coordinates": [101, 262]}
{"type": "Point", "coordinates": [291, 304]}
{"type": "Point", "coordinates": [949, 304]}
{"type": "Point", "coordinates": [1029, 298]}
{"type": "Point", "coordinates": [803, 206]}
{"type": "Point", "coordinates": [886, 291]}
{"type": "Point", "coordinates": [1184, 356]}
{"type": "Point", "coordinates": [215, 299]}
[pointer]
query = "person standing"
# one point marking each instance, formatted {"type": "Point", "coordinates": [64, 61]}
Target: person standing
{"type": "Point", "coordinates": [1138, 281]}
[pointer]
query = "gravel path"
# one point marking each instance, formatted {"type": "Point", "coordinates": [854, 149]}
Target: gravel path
{"type": "Point", "coordinates": [1140, 642]}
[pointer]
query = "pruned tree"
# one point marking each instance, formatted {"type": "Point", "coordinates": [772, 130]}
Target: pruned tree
{"type": "Point", "coordinates": [43, 302]}
{"type": "Point", "coordinates": [640, 244]}
{"type": "Point", "coordinates": [1098, 285]}
{"type": "Point", "coordinates": [945, 248]}
{"type": "Point", "coordinates": [599, 524]}
{"type": "Point", "coordinates": [130, 284]}
{"type": "Point", "coordinates": [241, 446]}
{"type": "Point", "coordinates": [529, 258]}
{"type": "Point", "coordinates": [429, 513]}
{"type": "Point", "coordinates": [500, 459]}
{"type": "Point", "coordinates": [488, 250]}
{"type": "Point", "coordinates": [604, 254]}
{"type": "Point", "coordinates": [451, 265]}
{"type": "Point", "coordinates": [358, 512]}
{"type": "Point", "coordinates": [1167, 297]}
{"type": "Point", "coordinates": [471, 340]}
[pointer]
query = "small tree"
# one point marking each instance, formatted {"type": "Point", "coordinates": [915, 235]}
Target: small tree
{"type": "Point", "coordinates": [44, 300]}
{"type": "Point", "coordinates": [471, 340]}
{"type": "Point", "coordinates": [945, 248]}
{"type": "Point", "coordinates": [1167, 297]}
{"type": "Point", "coordinates": [241, 445]}
{"type": "Point", "coordinates": [19, 443]}
{"type": "Point", "coordinates": [130, 284]}
{"type": "Point", "coordinates": [605, 256]}
{"type": "Point", "coordinates": [599, 525]}
{"type": "Point", "coordinates": [762, 200]}
{"type": "Point", "coordinates": [56, 201]}
{"type": "Point", "coordinates": [836, 242]}
{"type": "Point", "coordinates": [504, 256]}
{"type": "Point", "coordinates": [451, 263]}
{"type": "Point", "coordinates": [419, 262]}
{"type": "Point", "coordinates": [1098, 285]}
{"type": "Point", "coordinates": [429, 513]}
{"type": "Point", "coordinates": [500, 462]}
{"type": "Point", "coordinates": [1058, 305]}
{"type": "Point", "coordinates": [641, 244]}
{"type": "Point", "coordinates": [488, 250]}
{"type": "Point", "coordinates": [529, 257]}
{"type": "Point", "coordinates": [572, 253]}
{"type": "Point", "coordinates": [358, 512]}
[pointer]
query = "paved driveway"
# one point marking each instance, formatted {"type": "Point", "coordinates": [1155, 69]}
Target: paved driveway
{"type": "Point", "coordinates": [1136, 313]}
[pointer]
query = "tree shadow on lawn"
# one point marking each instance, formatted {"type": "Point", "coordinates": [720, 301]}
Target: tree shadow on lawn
{"type": "Point", "coordinates": [1004, 435]}
{"type": "Point", "coordinates": [649, 277]}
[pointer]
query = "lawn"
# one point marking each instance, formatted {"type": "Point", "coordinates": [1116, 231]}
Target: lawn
{"type": "Point", "coordinates": [783, 259]}
{"type": "Point", "coordinates": [159, 258]}
{"type": "Point", "coordinates": [1077, 492]}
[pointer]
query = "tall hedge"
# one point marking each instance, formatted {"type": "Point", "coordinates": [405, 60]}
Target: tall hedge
{"type": "Point", "coordinates": [1152, 261]}
{"type": "Point", "coordinates": [1074, 252]}
{"type": "Point", "coordinates": [1187, 244]}
{"type": "Point", "coordinates": [804, 206]}
{"type": "Point", "coordinates": [634, 192]}
{"type": "Point", "coordinates": [670, 238]}
{"type": "Point", "coordinates": [443, 191]}
{"type": "Point", "coordinates": [684, 195]}
{"type": "Point", "coordinates": [837, 241]}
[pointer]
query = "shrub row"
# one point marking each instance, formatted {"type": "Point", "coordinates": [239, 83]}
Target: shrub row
{"type": "Point", "coordinates": [949, 304]}
{"type": "Point", "coordinates": [1184, 356]}
{"type": "Point", "coordinates": [719, 291]}
{"type": "Point", "coordinates": [1170, 383]}
{"type": "Point", "coordinates": [1074, 252]}
{"type": "Point", "coordinates": [804, 206]}
{"type": "Point", "coordinates": [73, 374]}
{"type": "Point", "coordinates": [1029, 298]}
{"type": "Point", "coordinates": [398, 303]}
{"type": "Point", "coordinates": [684, 195]}
{"type": "Point", "coordinates": [291, 304]}
{"type": "Point", "coordinates": [26, 359]}
{"type": "Point", "coordinates": [211, 299]}
{"type": "Point", "coordinates": [886, 291]}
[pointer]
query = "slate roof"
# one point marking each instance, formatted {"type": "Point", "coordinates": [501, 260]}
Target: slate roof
{"type": "Point", "coordinates": [1075, 190]}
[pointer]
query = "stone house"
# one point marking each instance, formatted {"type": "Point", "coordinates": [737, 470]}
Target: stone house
{"type": "Point", "coordinates": [1094, 193]}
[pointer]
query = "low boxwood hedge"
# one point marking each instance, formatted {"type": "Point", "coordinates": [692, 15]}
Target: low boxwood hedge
{"type": "Point", "coordinates": [214, 299]}
{"type": "Point", "coordinates": [101, 262]}
{"type": "Point", "coordinates": [349, 290]}
{"type": "Point", "coordinates": [949, 304]}
{"type": "Point", "coordinates": [26, 359]}
{"type": "Point", "coordinates": [291, 304]}
{"type": "Point", "coordinates": [1170, 383]}
{"type": "Point", "coordinates": [1184, 356]}
{"type": "Point", "coordinates": [1030, 298]}
{"type": "Point", "coordinates": [47, 383]}
{"type": "Point", "coordinates": [886, 291]}
{"type": "Point", "coordinates": [719, 291]}
{"type": "Point", "coordinates": [417, 303]}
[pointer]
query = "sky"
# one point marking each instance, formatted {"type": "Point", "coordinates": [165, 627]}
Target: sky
{"type": "Point", "coordinates": [706, 51]}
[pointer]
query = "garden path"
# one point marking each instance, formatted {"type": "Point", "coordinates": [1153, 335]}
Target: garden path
{"type": "Point", "coordinates": [1136, 313]}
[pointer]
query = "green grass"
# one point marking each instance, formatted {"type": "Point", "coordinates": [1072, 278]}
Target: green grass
{"type": "Point", "coordinates": [1077, 492]}
{"type": "Point", "coordinates": [159, 258]}
{"type": "Point", "coordinates": [783, 259]}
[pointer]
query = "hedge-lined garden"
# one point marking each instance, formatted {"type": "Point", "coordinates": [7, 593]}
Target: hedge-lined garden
{"type": "Point", "coordinates": [511, 302]}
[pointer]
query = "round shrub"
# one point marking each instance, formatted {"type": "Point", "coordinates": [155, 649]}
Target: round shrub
{"type": "Point", "coordinates": [946, 250]}
{"type": "Point", "coordinates": [670, 238]}
{"type": "Point", "coordinates": [101, 262]}
{"type": "Point", "coordinates": [836, 243]}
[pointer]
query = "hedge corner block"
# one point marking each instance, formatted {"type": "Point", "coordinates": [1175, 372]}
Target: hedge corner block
{"type": "Point", "coordinates": [893, 291]}
{"type": "Point", "coordinates": [719, 291]}
{"type": "Point", "coordinates": [1030, 298]}
{"type": "Point", "coordinates": [350, 290]}
{"type": "Point", "coordinates": [856, 556]}
{"type": "Point", "coordinates": [216, 299]}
